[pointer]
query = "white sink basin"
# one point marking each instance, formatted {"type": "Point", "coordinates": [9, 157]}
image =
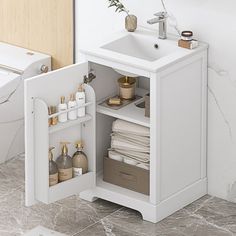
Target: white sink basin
{"type": "Point", "coordinates": [138, 46]}
{"type": "Point", "coordinates": [139, 50]}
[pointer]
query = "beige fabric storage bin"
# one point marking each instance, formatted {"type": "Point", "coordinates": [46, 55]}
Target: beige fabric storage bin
{"type": "Point", "coordinates": [126, 176]}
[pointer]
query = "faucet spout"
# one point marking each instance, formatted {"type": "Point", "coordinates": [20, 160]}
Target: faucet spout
{"type": "Point", "coordinates": [161, 18]}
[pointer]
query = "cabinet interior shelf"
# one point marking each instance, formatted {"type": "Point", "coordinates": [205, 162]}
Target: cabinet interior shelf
{"type": "Point", "coordinates": [130, 112]}
{"type": "Point", "coordinates": [69, 123]}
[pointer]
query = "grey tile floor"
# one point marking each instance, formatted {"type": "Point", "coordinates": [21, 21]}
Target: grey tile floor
{"type": "Point", "coordinates": [208, 216]}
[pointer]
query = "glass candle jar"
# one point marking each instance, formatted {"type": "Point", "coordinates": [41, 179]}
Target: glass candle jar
{"type": "Point", "coordinates": [127, 87]}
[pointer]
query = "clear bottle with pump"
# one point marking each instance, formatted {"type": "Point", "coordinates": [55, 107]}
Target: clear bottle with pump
{"type": "Point", "coordinates": [80, 160]}
{"type": "Point", "coordinates": [62, 107]}
{"type": "Point", "coordinates": [64, 164]}
{"type": "Point", "coordinates": [80, 100]}
{"type": "Point", "coordinates": [53, 170]}
{"type": "Point", "coordinates": [72, 115]}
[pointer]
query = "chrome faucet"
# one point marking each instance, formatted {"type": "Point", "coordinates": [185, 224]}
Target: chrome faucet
{"type": "Point", "coordinates": [161, 18]}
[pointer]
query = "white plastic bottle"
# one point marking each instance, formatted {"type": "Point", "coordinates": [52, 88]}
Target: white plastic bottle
{"type": "Point", "coordinates": [72, 115]}
{"type": "Point", "coordinates": [62, 107]}
{"type": "Point", "coordinates": [80, 100]}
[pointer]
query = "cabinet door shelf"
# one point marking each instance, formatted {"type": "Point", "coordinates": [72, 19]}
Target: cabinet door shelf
{"type": "Point", "coordinates": [67, 188]}
{"type": "Point", "coordinates": [68, 110]}
{"type": "Point", "coordinates": [68, 124]}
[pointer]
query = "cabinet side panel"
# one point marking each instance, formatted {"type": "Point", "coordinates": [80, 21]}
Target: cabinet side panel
{"type": "Point", "coordinates": [181, 125]}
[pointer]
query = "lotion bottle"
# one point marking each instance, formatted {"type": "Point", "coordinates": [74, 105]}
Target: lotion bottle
{"type": "Point", "coordinates": [64, 164]}
{"type": "Point", "coordinates": [72, 115]}
{"type": "Point", "coordinates": [80, 161]}
{"type": "Point", "coordinates": [62, 107]}
{"type": "Point", "coordinates": [53, 170]}
{"type": "Point", "coordinates": [80, 99]}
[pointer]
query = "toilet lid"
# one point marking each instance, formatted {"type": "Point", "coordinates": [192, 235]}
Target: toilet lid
{"type": "Point", "coordinates": [17, 59]}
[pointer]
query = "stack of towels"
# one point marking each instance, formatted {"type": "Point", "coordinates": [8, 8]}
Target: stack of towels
{"type": "Point", "coordinates": [130, 143]}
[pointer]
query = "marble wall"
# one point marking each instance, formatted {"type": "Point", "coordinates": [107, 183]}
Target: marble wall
{"type": "Point", "coordinates": [212, 21]}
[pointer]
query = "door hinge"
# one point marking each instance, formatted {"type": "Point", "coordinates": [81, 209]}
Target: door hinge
{"type": "Point", "coordinates": [90, 77]}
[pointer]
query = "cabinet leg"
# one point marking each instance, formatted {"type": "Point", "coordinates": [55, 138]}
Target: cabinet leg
{"type": "Point", "coordinates": [150, 215]}
{"type": "Point", "coordinates": [150, 218]}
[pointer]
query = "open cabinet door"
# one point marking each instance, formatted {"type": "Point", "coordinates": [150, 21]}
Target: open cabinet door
{"type": "Point", "coordinates": [43, 91]}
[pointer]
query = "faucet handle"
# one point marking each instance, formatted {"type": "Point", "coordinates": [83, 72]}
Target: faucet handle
{"type": "Point", "coordinates": [161, 14]}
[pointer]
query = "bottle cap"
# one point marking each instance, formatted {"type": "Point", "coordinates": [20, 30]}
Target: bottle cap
{"type": "Point", "coordinates": [50, 154]}
{"type": "Point", "coordinates": [79, 144]}
{"type": "Point", "coordinates": [53, 109]}
{"type": "Point", "coordinates": [63, 99]}
{"type": "Point", "coordinates": [81, 89]}
{"type": "Point", "coordinates": [64, 150]}
{"type": "Point", "coordinates": [72, 97]}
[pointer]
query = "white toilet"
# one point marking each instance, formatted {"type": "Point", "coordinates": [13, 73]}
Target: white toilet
{"type": "Point", "coordinates": [16, 64]}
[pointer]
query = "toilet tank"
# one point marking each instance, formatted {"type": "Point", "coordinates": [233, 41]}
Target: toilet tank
{"type": "Point", "coordinates": [16, 65]}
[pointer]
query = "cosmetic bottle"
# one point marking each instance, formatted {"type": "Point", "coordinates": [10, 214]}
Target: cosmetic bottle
{"type": "Point", "coordinates": [80, 100]}
{"type": "Point", "coordinates": [72, 115]}
{"type": "Point", "coordinates": [80, 161]}
{"type": "Point", "coordinates": [64, 164]}
{"type": "Point", "coordinates": [54, 120]}
{"type": "Point", "coordinates": [62, 107]}
{"type": "Point", "coordinates": [53, 170]}
{"type": "Point", "coordinates": [50, 119]}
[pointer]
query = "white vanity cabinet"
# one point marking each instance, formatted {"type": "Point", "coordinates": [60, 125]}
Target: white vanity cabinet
{"type": "Point", "coordinates": [178, 96]}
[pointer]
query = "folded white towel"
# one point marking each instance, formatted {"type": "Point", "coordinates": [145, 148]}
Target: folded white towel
{"type": "Point", "coordinates": [139, 156]}
{"type": "Point", "coordinates": [118, 143]}
{"type": "Point", "coordinates": [143, 166]}
{"type": "Point", "coordinates": [115, 156]}
{"type": "Point", "coordinates": [126, 127]}
{"type": "Point", "coordinates": [136, 139]}
{"type": "Point", "coordinates": [129, 160]}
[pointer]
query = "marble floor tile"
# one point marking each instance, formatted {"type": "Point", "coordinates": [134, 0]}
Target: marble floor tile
{"type": "Point", "coordinates": [105, 228]}
{"type": "Point", "coordinates": [132, 220]}
{"type": "Point", "coordinates": [198, 204]}
{"type": "Point", "coordinates": [19, 219]}
{"type": "Point", "coordinates": [96, 210]}
{"type": "Point", "coordinates": [11, 176]}
{"type": "Point", "coordinates": [208, 216]}
{"type": "Point", "coordinates": [181, 223]}
{"type": "Point", "coordinates": [220, 213]}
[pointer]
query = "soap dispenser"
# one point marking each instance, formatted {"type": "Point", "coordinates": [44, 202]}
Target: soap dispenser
{"type": "Point", "coordinates": [53, 170]}
{"type": "Point", "coordinates": [64, 163]}
{"type": "Point", "coordinates": [80, 99]}
{"type": "Point", "coordinates": [80, 161]}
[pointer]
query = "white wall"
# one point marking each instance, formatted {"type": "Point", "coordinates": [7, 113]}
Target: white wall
{"type": "Point", "coordinates": [212, 21]}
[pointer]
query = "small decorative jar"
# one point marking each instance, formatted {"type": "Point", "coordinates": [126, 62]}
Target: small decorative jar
{"type": "Point", "coordinates": [131, 23]}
